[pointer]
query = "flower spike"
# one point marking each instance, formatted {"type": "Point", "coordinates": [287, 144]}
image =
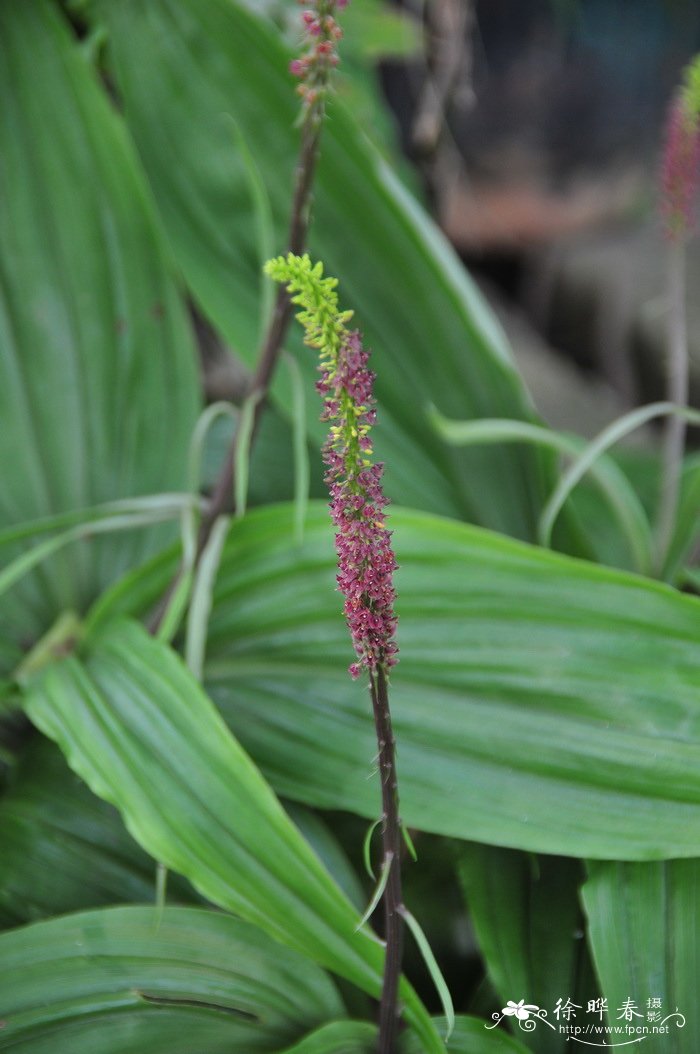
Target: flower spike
{"type": "Point", "coordinates": [366, 560]}
{"type": "Point", "coordinates": [314, 67]}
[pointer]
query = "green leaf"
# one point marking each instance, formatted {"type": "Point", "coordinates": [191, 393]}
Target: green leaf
{"type": "Point", "coordinates": [338, 1037]}
{"type": "Point", "coordinates": [275, 457]}
{"type": "Point", "coordinates": [377, 894]}
{"type": "Point", "coordinates": [433, 969]}
{"type": "Point", "coordinates": [63, 848]}
{"type": "Point", "coordinates": [470, 1036]}
{"type": "Point", "coordinates": [138, 728]}
{"type": "Point", "coordinates": [540, 702]}
{"type": "Point", "coordinates": [617, 489]}
{"type": "Point", "coordinates": [21, 566]}
{"type": "Point", "coordinates": [613, 433]}
{"type": "Point", "coordinates": [687, 521]}
{"type": "Point", "coordinates": [91, 324]}
{"type": "Point", "coordinates": [373, 31]}
{"type": "Point", "coordinates": [200, 602]}
{"type": "Point", "coordinates": [528, 923]}
{"type": "Point", "coordinates": [644, 927]}
{"type": "Point", "coordinates": [328, 849]}
{"type": "Point", "coordinates": [118, 979]}
{"type": "Point", "coordinates": [357, 1037]}
{"type": "Point", "coordinates": [157, 506]}
{"type": "Point", "coordinates": [433, 337]}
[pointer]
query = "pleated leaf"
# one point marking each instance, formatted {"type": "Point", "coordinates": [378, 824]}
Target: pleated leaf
{"type": "Point", "coordinates": [644, 932]}
{"type": "Point", "coordinates": [357, 1037]}
{"type": "Point", "coordinates": [434, 340]}
{"type": "Point", "coordinates": [470, 1036]}
{"type": "Point", "coordinates": [136, 726]}
{"type": "Point", "coordinates": [319, 835]}
{"type": "Point", "coordinates": [63, 848]}
{"type": "Point", "coordinates": [338, 1037]}
{"type": "Point", "coordinates": [526, 914]}
{"type": "Point", "coordinates": [103, 982]}
{"type": "Point", "coordinates": [540, 702]}
{"type": "Point", "coordinates": [98, 384]}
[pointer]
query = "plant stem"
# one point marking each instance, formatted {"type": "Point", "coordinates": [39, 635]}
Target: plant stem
{"type": "Point", "coordinates": [391, 846]}
{"type": "Point", "coordinates": [222, 500]}
{"type": "Point", "coordinates": [677, 388]}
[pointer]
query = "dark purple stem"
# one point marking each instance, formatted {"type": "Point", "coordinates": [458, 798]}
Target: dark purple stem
{"type": "Point", "coordinates": [391, 859]}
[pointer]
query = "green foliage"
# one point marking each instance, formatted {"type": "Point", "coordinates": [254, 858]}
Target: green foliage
{"type": "Point", "coordinates": [121, 716]}
{"type": "Point", "coordinates": [98, 386]}
{"type": "Point", "coordinates": [543, 704]}
{"type": "Point", "coordinates": [63, 848]}
{"type": "Point", "coordinates": [577, 738]}
{"type": "Point", "coordinates": [528, 923]}
{"type": "Point", "coordinates": [644, 925]}
{"type": "Point", "coordinates": [105, 981]}
{"type": "Point", "coordinates": [428, 327]}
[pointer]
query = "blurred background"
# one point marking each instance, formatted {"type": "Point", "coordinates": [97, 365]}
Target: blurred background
{"type": "Point", "coordinates": [534, 128]}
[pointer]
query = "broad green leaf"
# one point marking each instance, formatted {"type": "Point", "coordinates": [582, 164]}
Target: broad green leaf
{"type": "Point", "coordinates": [527, 919]}
{"type": "Point", "coordinates": [158, 507]}
{"type": "Point", "coordinates": [540, 702]}
{"type": "Point", "coordinates": [687, 522]}
{"type": "Point", "coordinates": [322, 840]}
{"type": "Point", "coordinates": [338, 1037]}
{"type": "Point", "coordinates": [433, 337]}
{"type": "Point", "coordinates": [374, 31]}
{"type": "Point", "coordinates": [471, 1036]}
{"type": "Point", "coordinates": [119, 979]}
{"type": "Point", "coordinates": [644, 926]}
{"type": "Point", "coordinates": [137, 727]}
{"type": "Point", "coordinates": [272, 464]}
{"type": "Point", "coordinates": [98, 383]}
{"type": "Point", "coordinates": [620, 495]}
{"type": "Point", "coordinates": [63, 848]}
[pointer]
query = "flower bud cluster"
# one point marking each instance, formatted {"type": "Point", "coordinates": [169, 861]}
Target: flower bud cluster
{"type": "Point", "coordinates": [314, 67]}
{"type": "Point", "coordinates": [366, 560]}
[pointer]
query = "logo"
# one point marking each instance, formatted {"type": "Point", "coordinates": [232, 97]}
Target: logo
{"type": "Point", "coordinates": [623, 1026]}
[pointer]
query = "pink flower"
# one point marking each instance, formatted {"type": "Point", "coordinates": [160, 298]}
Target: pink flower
{"type": "Point", "coordinates": [315, 65]}
{"type": "Point", "coordinates": [366, 560]}
{"type": "Point", "coordinates": [680, 170]}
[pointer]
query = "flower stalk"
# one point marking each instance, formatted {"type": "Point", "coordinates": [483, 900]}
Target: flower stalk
{"type": "Point", "coordinates": [391, 852]}
{"type": "Point", "coordinates": [680, 171]}
{"type": "Point", "coordinates": [366, 561]}
{"type": "Point", "coordinates": [314, 69]}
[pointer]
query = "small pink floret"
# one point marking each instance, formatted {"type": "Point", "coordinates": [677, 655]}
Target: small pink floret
{"type": "Point", "coordinates": [366, 560]}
